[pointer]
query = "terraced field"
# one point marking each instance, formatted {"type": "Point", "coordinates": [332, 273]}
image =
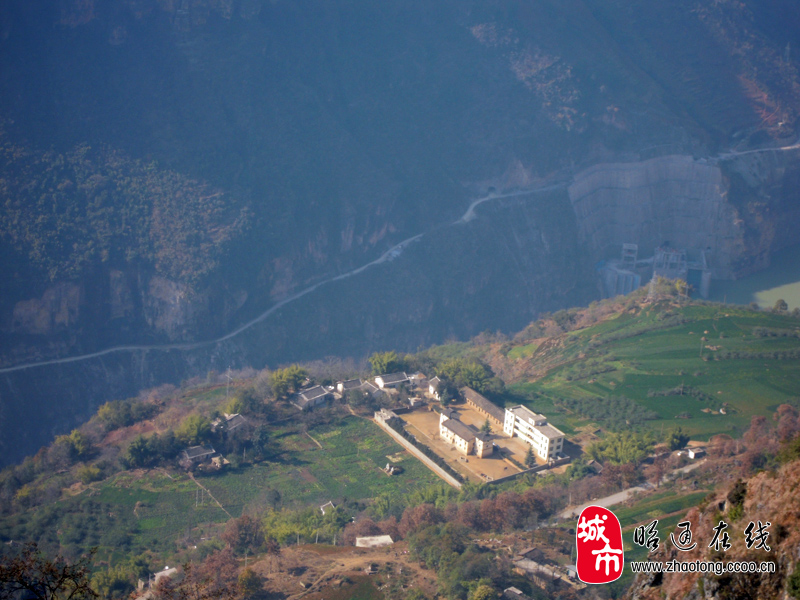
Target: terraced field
{"type": "Point", "coordinates": [706, 368]}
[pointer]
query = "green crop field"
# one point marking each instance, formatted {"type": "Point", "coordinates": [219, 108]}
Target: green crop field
{"type": "Point", "coordinates": [347, 466]}
{"type": "Point", "coordinates": [711, 349]}
{"type": "Point", "coordinates": [135, 511]}
{"type": "Point", "coordinates": [657, 506]}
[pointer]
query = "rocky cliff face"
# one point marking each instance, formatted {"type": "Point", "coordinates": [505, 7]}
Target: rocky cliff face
{"type": "Point", "coordinates": [57, 310]}
{"type": "Point", "coordinates": [769, 498]}
{"type": "Point", "coordinates": [738, 210]}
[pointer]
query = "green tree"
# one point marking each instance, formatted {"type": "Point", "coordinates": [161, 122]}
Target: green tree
{"type": "Point", "coordinates": [530, 459]}
{"type": "Point", "coordinates": [114, 582]}
{"type": "Point", "coordinates": [385, 362]}
{"type": "Point", "coordinates": [780, 306]}
{"type": "Point", "coordinates": [88, 473]}
{"type": "Point", "coordinates": [483, 592]}
{"type": "Point", "coordinates": [793, 583]}
{"type": "Point", "coordinates": [250, 583]}
{"type": "Point", "coordinates": [77, 444]}
{"type": "Point", "coordinates": [262, 442]}
{"type": "Point", "coordinates": [139, 452]}
{"type": "Point", "coordinates": [195, 429]}
{"type": "Point", "coordinates": [244, 401]}
{"type": "Point", "coordinates": [676, 439]}
{"type": "Point", "coordinates": [621, 448]}
{"type": "Point", "coordinates": [287, 381]}
{"type": "Point", "coordinates": [486, 427]}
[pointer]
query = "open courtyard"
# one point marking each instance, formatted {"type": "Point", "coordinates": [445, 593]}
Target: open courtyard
{"type": "Point", "coordinates": [425, 425]}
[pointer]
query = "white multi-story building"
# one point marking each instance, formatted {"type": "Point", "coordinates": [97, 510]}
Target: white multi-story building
{"type": "Point", "coordinates": [546, 440]}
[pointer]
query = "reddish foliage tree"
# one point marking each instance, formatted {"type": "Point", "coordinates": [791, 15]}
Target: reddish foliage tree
{"type": "Point", "coordinates": [788, 422]}
{"type": "Point", "coordinates": [218, 572]}
{"type": "Point", "coordinates": [468, 514]}
{"type": "Point", "coordinates": [417, 518]}
{"type": "Point", "coordinates": [244, 534]}
{"type": "Point", "coordinates": [757, 436]}
{"type": "Point", "coordinates": [722, 445]}
{"type": "Point", "coordinates": [390, 527]}
{"type": "Point", "coordinates": [362, 528]}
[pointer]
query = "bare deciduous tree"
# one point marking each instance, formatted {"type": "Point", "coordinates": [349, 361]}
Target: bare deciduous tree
{"type": "Point", "coordinates": [31, 574]}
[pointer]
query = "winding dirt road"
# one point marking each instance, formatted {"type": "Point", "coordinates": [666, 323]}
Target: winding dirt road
{"type": "Point", "coordinates": [387, 256]}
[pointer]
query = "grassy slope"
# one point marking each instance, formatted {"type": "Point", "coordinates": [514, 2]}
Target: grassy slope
{"type": "Point", "coordinates": [665, 358]}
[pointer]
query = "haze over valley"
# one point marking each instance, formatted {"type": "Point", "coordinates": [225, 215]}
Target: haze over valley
{"type": "Point", "coordinates": [173, 171]}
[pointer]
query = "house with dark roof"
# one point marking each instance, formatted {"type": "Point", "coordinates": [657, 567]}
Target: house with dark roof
{"type": "Point", "coordinates": [373, 390]}
{"type": "Point", "coordinates": [351, 384]}
{"type": "Point", "coordinates": [417, 380]}
{"type": "Point", "coordinates": [311, 397]}
{"type": "Point", "coordinates": [234, 422]}
{"type": "Point", "coordinates": [456, 433]}
{"type": "Point", "coordinates": [463, 437]}
{"type": "Point", "coordinates": [196, 455]}
{"type": "Point", "coordinates": [483, 405]}
{"type": "Point", "coordinates": [513, 593]}
{"type": "Point", "coordinates": [391, 380]}
{"type": "Point", "coordinates": [228, 422]}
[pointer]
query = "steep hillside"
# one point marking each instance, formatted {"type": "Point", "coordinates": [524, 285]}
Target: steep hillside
{"type": "Point", "coordinates": [205, 182]}
{"type": "Point", "coordinates": [769, 497]}
{"type": "Point", "coordinates": [706, 368]}
{"type": "Point", "coordinates": [653, 371]}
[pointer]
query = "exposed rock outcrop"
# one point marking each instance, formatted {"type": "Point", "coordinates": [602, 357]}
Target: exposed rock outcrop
{"type": "Point", "coordinates": [691, 204]}
{"type": "Point", "coordinates": [769, 497]}
{"type": "Point", "coordinates": [56, 310]}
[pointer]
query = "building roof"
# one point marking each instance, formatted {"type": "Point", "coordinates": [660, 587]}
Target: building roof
{"type": "Point", "coordinates": [391, 378]}
{"type": "Point", "coordinates": [234, 421]}
{"type": "Point", "coordinates": [461, 430]}
{"type": "Point", "coordinates": [527, 415]}
{"type": "Point", "coordinates": [484, 437]}
{"type": "Point", "coordinates": [198, 451]}
{"type": "Point", "coordinates": [370, 387]}
{"type": "Point", "coordinates": [513, 593]}
{"type": "Point", "coordinates": [484, 404]}
{"type": "Point", "coordinates": [550, 432]}
{"type": "Point", "coordinates": [375, 541]}
{"type": "Point", "coordinates": [449, 413]}
{"type": "Point", "coordinates": [351, 384]}
{"type": "Point", "coordinates": [314, 393]}
{"type": "Point", "coordinates": [385, 414]}
{"type": "Point", "coordinates": [434, 381]}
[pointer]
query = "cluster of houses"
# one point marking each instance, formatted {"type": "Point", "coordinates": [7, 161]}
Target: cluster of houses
{"type": "Point", "coordinates": [308, 398]}
{"type": "Point", "coordinates": [546, 440]}
{"type": "Point", "coordinates": [204, 455]}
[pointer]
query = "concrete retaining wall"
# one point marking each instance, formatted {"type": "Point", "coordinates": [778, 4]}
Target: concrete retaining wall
{"type": "Point", "coordinates": [417, 453]}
